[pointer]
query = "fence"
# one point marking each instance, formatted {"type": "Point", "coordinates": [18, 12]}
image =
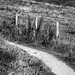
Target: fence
{"type": "Point", "coordinates": [36, 23]}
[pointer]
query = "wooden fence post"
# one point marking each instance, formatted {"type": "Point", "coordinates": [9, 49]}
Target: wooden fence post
{"type": "Point", "coordinates": [16, 18]}
{"type": "Point", "coordinates": [57, 29]}
{"type": "Point", "coordinates": [36, 22]}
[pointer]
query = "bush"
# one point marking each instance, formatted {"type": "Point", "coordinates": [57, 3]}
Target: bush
{"type": "Point", "coordinates": [61, 48]}
{"type": "Point", "coordinates": [26, 35]}
{"type": "Point", "coordinates": [5, 59]}
{"type": "Point", "coordinates": [47, 35]}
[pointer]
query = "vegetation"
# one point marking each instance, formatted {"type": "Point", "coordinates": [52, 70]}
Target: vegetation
{"type": "Point", "coordinates": [44, 35]}
{"type": "Point", "coordinates": [14, 61]}
{"type": "Point", "coordinates": [21, 2]}
{"type": "Point", "coordinates": [62, 2]}
{"type": "Point", "coordinates": [21, 33]}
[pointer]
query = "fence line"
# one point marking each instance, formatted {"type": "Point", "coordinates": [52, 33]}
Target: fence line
{"type": "Point", "coordinates": [36, 24]}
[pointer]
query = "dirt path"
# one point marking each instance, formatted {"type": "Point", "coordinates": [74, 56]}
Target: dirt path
{"type": "Point", "coordinates": [58, 67]}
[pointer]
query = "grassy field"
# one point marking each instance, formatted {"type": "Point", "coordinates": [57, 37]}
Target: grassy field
{"type": "Point", "coordinates": [44, 39]}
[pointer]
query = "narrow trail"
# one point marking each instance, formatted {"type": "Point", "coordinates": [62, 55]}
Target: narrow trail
{"type": "Point", "coordinates": [58, 67]}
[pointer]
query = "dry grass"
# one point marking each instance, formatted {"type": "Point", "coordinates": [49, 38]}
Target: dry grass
{"type": "Point", "coordinates": [14, 61]}
{"type": "Point", "coordinates": [50, 14]}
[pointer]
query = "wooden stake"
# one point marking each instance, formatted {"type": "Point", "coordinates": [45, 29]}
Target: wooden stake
{"type": "Point", "coordinates": [36, 22]}
{"type": "Point", "coordinates": [57, 29]}
{"type": "Point", "coordinates": [16, 18]}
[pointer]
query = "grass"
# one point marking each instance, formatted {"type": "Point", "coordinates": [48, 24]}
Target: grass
{"type": "Point", "coordinates": [45, 34]}
{"type": "Point", "coordinates": [15, 61]}
{"type": "Point", "coordinates": [44, 38]}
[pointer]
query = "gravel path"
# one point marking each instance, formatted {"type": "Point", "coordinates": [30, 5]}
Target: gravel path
{"type": "Point", "coordinates": [58, 67]}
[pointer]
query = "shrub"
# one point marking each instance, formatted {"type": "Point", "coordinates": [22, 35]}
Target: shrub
{"type": "Point", "coordinates": [62, 48]}
{"type": "Point", "coordinates": [26, 35]}
{"type": "Point", "coordinates": [5, 59]}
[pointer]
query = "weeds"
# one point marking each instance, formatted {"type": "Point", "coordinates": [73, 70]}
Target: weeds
{"type": "Point", "coordinates": [22, 34]}
{"type": "Point", "coordinates": [15, 61]}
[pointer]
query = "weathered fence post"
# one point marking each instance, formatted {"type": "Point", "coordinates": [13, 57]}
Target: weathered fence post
{"type": "Point", "coordinates": [36, 22]}
{"type": "Point", "coordinates": [16, 18]}
{"type": "Point", "coordinates": [57, 29]}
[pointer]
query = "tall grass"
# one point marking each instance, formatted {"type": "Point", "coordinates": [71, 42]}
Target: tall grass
{"type": "Point", "coordinates": [26, 34]}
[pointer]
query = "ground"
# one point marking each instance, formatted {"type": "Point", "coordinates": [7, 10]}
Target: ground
{"type": "Point", "coordinates": [15, 61]}
{"type": "Point", "coordinates": [62, 47]}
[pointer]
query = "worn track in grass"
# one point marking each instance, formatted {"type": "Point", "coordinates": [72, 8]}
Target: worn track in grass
{"type": "Point", "coordinates": [57, 66]}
